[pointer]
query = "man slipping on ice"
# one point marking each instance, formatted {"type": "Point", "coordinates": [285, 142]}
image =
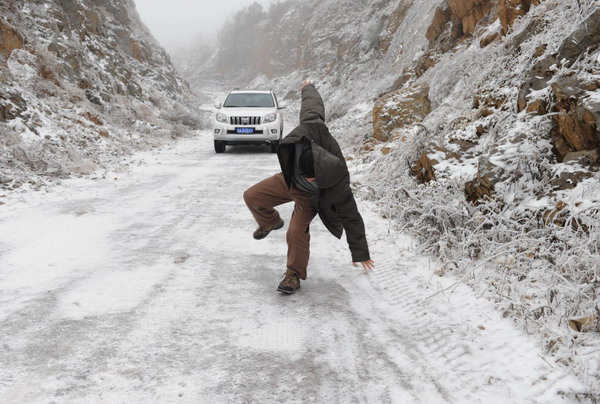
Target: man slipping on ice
{"type": "Point", "coordinates": [315, 177]}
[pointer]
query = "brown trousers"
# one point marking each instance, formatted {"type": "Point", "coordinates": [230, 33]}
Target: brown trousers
{"type": "Point", "coordinates": [273, 191]}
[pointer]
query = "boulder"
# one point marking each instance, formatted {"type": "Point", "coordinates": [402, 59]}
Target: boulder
{"type": "Point", "coordinates": [399, 109]}
{"type": "Point", "coordinates": [569, 179]}
{"type": "Point", "coordinates": [590, 109]}
{"type": "Point", "coordinates": [585, 157]}
{"type": "Point", "coordinates": [586, 37]}
{"type": "Point", "coordinates": [93, 23]}
{"type": "Point", "coordinates": [478, 189]}
{"type": "Point", "coordinates": [537, 107]}
{"type": "Point", "coordinates": [423, 169]}
{"type": "Point", "coordinates": [556, 215]}
{"type": "Point", "coordinates": [441, 17]}
{"type": "Point", "coordinates": [536, 79]}
{"type": "Point", "coordinates": [577, 134]}
{"type": "Point", "coordinates": [510, 10]}
{"type": "Point", "coordinates": [9, 40]}
{"type": "Point", "coordinates": [577, 116]}
{"type": "Point", "coordinates": [468, 13]}
{"type": "Point", "coordinates": [12, 105]}
{"type": "Point", "coordinates": [95, 119]}
{"type": "Point", "coordinates": [483, 186]}
{"type": "Point", "coordinates": [485, 41]}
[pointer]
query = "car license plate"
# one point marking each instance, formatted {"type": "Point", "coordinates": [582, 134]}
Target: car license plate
{"type": "Point", "coordinates": [244, 130]}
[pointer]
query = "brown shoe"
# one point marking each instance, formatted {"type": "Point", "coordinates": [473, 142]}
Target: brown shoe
{"type": "Point", "coordinates": [260, 233]}
{"type": "Point", "coordinates": [290, 282]}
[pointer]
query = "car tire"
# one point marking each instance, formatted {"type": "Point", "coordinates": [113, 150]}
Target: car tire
{"type": "Point", "coordinates": [220, 146]}
{"type": "Point", "coordinates": [274, 145]}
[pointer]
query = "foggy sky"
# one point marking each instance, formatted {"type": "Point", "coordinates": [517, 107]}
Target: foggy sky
{"type": "Point", "coordinates": [177, 23]}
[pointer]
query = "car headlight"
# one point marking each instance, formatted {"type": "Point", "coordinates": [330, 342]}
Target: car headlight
{"type": "Point", "coordinates": [222, 118]}
{"type": "Point", "coordinates": [270, 118]}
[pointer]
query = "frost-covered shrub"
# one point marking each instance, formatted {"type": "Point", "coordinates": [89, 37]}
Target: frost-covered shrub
{"type": "Point", "coordinates": [9, 137]}
{"type": "Point", "coordinates": [145, 113]}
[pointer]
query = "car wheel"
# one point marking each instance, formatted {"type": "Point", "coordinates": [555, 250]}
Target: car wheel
{"type": "Point", "coordinates": [274, 145]}
{"type": "Point", "coordinates": [220, 146]}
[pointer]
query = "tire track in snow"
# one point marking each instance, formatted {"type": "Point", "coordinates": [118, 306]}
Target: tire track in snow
{"type": "Point", "coordinates": [469, 361]}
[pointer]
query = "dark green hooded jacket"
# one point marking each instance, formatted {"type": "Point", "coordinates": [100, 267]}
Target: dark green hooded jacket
{"type": "Point", "coordinates": [335, 203]}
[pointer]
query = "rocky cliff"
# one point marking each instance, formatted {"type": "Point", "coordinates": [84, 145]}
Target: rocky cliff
{"type": "Point", "coordinates": [81, 83]}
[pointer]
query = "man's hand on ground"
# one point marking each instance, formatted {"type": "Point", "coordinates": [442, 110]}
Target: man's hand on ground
{"type": "Point", "coordinates": [370, 265]}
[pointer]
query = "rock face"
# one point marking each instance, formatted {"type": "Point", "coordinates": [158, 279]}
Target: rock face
{"type": "Point", "coordinates": [67, 39]}
{"type": "Point", "coordinates": [456, 20]}
{"type": "Point", "coordinates": [510, 10]}
{"type": "Point", "coordinates": [442, 17]}
{"type": "Point", "coordinates": [574, 100]}
{"type": "Point", "coordinates": [464, 16]}
{"type": "Point", "coordinates": [468, 13]}
{"type": "Point", "coordinates": [401, 108]}
{"type": "Point", "coordinates": [576, 120]}
{"type": "Point", "coordinates": [586, 37]}
{"type": "Point", "coordinates": [9, 40]}
{"type": "Point", "coordinates": [565, 100]}
{"type": "Point", "coordinates": [75, 77]}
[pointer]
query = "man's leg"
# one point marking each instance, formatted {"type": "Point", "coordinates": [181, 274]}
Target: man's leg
{"type": "Point", "coordinates": [263, 196]}
{"type": "Point", "coordinates": [298, 235]}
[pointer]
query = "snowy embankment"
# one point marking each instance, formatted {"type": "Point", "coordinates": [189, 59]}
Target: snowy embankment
{"type": "Point", "coordinates": [146, 286]}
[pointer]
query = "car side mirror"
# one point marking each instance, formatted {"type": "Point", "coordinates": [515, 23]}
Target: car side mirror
{"type": "Point", "coordinates": [218, 105]}
{"type": "Point", "coordinates": [281, 106]}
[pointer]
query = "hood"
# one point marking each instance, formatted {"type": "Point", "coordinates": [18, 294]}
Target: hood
{"type": "Point", "coordinates": [312, 108]}
{"type": "Point", "coordinates": [254, 111]}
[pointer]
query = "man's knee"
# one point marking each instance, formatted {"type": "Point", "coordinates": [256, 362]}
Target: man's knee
{"type": "Point", "coordinates": [297, 230]}
{"type": "Point", "coordinates": [249, 196]}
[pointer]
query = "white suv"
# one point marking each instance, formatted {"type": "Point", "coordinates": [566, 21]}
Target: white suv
{"type": "Point", "coordinates": [248, 117]}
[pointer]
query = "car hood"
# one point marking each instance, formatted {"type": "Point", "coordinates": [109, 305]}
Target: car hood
{"type": "Point", "coordinates": [247, 111]}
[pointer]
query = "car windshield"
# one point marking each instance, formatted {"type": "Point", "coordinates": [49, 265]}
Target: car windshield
{"type": "Point", "coordinates": [249, 100]}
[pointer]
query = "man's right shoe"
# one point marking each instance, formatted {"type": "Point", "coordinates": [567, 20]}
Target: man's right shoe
{"type": "Point", "coordinates": [290, 282]}
{"type": "Point", "coordinates": [260, 233]}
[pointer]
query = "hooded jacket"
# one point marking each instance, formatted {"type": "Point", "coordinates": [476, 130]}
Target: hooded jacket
{"type": "Point", "coordinates": [335, 203]}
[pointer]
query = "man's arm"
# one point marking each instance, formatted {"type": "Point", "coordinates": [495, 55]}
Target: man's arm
{"type": "Point", "coordinates": [312, 107]}
{"type": "Point", "coordinates": [354, 226]}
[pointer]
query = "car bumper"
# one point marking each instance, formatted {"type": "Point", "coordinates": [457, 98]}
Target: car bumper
{"type": "Point", "coordinates": [266, 133]}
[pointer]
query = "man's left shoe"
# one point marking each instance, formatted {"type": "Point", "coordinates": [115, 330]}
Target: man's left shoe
{"type": "Point", "coordinates": [290, 282]}
{"type": "Point", "coordinates": [260, 233]}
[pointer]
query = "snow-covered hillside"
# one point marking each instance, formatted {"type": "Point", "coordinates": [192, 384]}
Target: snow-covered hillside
{"type": "Point", "coordinates": [81, 84]}
{"type": "Point", "coordinates": [475, 124]}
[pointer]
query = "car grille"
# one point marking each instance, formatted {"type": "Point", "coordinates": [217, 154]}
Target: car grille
{"type": "Point", "coordinates": [245, 120]}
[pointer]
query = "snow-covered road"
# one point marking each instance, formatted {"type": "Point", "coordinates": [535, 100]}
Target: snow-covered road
{"type": "Point", "coordinates": [147, 287]}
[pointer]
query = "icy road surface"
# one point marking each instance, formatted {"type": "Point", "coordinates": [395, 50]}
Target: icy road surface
{"type": "Point", "coordinates": [147, 287]}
